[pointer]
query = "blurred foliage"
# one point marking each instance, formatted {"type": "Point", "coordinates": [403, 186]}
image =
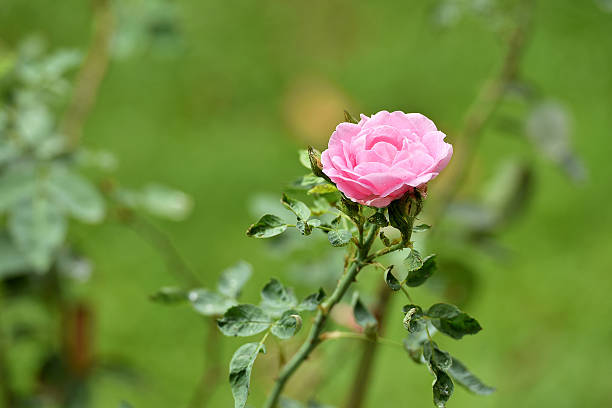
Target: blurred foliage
{"type": "Point", "coordinates": [216, 114]}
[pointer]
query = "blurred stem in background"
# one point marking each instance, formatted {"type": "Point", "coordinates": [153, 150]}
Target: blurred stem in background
{"type": "Point", "coordinates": [6, 391]}
{"type": "Point", "coordinates": [475, 120]}
{"type": "Point", "coordinates": [212, 367]}
{"type": "Point", "coordinates": [91, 74]}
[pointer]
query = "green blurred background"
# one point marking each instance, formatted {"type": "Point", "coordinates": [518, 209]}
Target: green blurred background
{"type": "Point", "coordinates": [251, 82]}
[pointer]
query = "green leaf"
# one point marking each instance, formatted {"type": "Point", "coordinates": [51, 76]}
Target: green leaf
{"type": "Point", "coordinates": [38, 228]}
{"type": "Point", "coordinates": [452, 321]}
{"type": "Point", "coordinates": [418, 276]}
{"type": "Point", "coordinates": [413, 342]}
{"type": "Point", "coordinates": [241, 366]}
{"type": "Point", "coordinates": [391, 280]}
{"type": "Point", "coordinates": [268, 226]}
{"type": "Point", "coordinates": [315, 163]}
{"type": "Point", "coordinates": [76, 194]}
{"type": "Point", "coordinates": [16, 184]}
{"type": "Point", "coordinates": [233, 279]}
{"type": "Point", "coordinates": [421, 228]}
{"type": "Point", "coordinates": [288, 325]}
{"type": "Point", "coordinates": [348, 207]}
{"type": "Point", "coordinates": [301, 210]}
{"type": "Point", "coordinates": [124, 404]}
{"type": "Point", "coordinates": [362, 315]}
{"type": "Point", "coordinates": [311, 302]}
{"type": "Point", "coordinates": [435, 356]}
{"type": "Point", "coordinates": [169, 295]}
{"type": "Point", "coordinates": [322, 189]}
{"type": "Point", "coordinates": [442, 387]}
{"type": "Point", "coordinates": [304, 158]}
{"type": "Point", "coordinates": [304, 227]}
{"type": "Point", "coordinates": [12, 260]}
{"type": "Point", "coordinates": [308, 181]}
{"type": "Point", "coordinates": [386, 242]}
{"type": "Point", "coordinates": [166, 202]}
{"type": "Point", "coordinates": [339, 238]}
{"type": "Point", "coordinates": [277, 298]}
{"type": "Point", "coordinates": [209, 303]}
{"type": "Point", "coordinates": [243, 320]}
{"type": "Point", "coordinates": [378, 219]}
{"type": "Point", "coordinates": [466, 379]}
{"type": "Point", "coordinates": [413, 320]}
{"type": "Point", "coordinates": [398, 220]}
{"type": "Point", "coordinates": [349, 118]}
{"type": "Point", "coordinates": [413, 261]}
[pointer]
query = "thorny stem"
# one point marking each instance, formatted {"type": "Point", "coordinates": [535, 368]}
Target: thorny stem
{"type": "Point", "coordinates": [476, 118]}
{"type": "Point", "coordinates": [313, 339]}
{"type": "Point", "coordinates": [91, 74]}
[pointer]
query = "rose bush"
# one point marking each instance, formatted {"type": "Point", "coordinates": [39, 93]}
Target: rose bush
{"type": "Point", "coordinates": [379, 159]}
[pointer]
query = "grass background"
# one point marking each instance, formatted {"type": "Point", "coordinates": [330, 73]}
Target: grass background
{"type": "Point", "coordinates": [253, 82]}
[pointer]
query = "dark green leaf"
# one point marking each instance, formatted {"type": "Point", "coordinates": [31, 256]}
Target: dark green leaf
{"type": "Point", "coordinates": [397, 219]}
{"type": "Point", "coordinates": [277, 298]}
{"type": "Point", "coordinates": [288, 325]}
{"type": "Point", "coordinates": [421, 228]}
{"type": "Point", "coordinates": [169, 295]}
{"type": "Point", "coordinates": [315, 163]}
{"type": "Point", "coordinates": [452, 321]}
{"type": "Point", "coordinates": [465, 378]}
{"type": "Point", "coordinates": [268, 226]}
{"type": "Point", "coordinates": [311, 302]}
{"type": "Point", "coordinates": [339, 238]}
{"type": "Point", "coordinates": [241, 366]}
{"type": "Point", "coordinates": [243, 320]}
{"type": "Point", "coordinates": [233, 279]}
{"type": "Point", "coordinates": [304, 227]}
{"type": "Point", "coordinates": [391, 280]}
{"type": "Point", "coordinates": [442, 387]}
{"type": "Point", "coordinates": [435, 356]}
{"type": "Point", "coordinates": [413, 261]}
{"type": "Point", "coordinates": [362, 315]}
{"type": "Point", "coordinates": [378, 219]}
{"type": "Point", "coordinates": [348, 207]}
{"type": "Point", "coordinates": [413, 320]}
{"type": "Point", "coordinates": [301, 210]}
{"type": "Point", "coordinates": [209, 303]}
{"type": "Point", "coordinates": [413, 343]}
{"type": "Point", "coordinates": [417, 277]}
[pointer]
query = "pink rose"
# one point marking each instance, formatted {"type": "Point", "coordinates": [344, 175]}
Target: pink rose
{"type": "Point", "coordinates": [382, 157]}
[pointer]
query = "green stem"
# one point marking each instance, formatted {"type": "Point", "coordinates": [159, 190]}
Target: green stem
{"type": "Point", "coordinates": [313, 339]}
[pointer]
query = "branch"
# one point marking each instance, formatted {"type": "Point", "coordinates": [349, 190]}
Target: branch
{"type": "Point", "coordinates": [476, 118]}
{"type": "Point", "coordinates": [90, 75]}
{"type": "Point", "coordinates": [314, 339]}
